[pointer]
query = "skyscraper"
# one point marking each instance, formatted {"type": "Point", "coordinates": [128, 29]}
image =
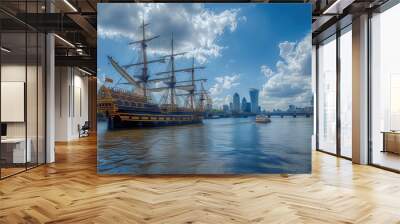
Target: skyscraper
{"type": "Point", "coordinates": [225, 108]}
{"type": "Point", "coordinates": [236, 103]}
{"type": "Point", "coordinates": [254, 100]}
{"type": "Point", "coordinates": [248, 107]}
{"type": "Point", "coordinates": [244, 104]}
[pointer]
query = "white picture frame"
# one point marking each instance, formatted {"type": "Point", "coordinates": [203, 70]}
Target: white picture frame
{"type": "Point", "coordinates": [12, 101]}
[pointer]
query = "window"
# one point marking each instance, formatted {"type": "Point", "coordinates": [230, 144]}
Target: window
{"type": "Point", "coordinates": [346, 92]}
{"type": "Point", "coordinates": [385, 88]}
{"type": "Point", "coordinates": [327, 95]}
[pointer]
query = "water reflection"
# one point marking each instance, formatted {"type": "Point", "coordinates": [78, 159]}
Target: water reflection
{"type": "Point", "coordinates": [218, 146]}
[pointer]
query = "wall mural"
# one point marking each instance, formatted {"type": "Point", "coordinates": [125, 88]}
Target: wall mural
{"type": "Point", "coordinates": [204, 88]}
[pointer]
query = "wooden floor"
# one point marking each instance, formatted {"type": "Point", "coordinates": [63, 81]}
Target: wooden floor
{"type": "Point", "coordinates": [70, 191]}
{"type": "Point", "coordinates": [387, 159]}
{"type": "Point", "coordinates": [5, 172]}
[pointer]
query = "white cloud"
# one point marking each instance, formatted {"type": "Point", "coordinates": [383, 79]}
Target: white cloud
{"type": "Point", "coordinates": [291, 82]}
{"type": "Point", "coordinates": [219, 101]}
{"type": "Point", "coordinates": [195, 28]}
{"type": "Point", "coordinates": [266, 71]}
{"type": "Point", "coordinates": [224, 83]}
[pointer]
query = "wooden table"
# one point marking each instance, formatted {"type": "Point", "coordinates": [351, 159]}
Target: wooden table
{"type": "Point", "coordinates": [391, 141]}
{"type": "Point", "coordinates": [13, 150]}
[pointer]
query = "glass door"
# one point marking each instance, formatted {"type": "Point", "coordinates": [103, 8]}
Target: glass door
{"type": "Point", "coordinates": [14, 145]}
{"type": "Point", "coordinates": [327, 95]}
{"type": "Point", "coordinates": [22, 77]}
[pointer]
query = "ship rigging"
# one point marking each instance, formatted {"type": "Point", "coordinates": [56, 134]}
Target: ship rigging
{"type": "Point", "coordinates": [138, 108]}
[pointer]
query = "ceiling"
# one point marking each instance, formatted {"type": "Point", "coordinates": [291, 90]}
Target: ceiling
{"type": "Point", "coordinates": [75, 23]}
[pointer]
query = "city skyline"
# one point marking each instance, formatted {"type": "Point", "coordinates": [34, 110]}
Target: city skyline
{"type": "Point", "coordinates": [245, 106]}
{"type": "Point", "coordinates": [241, 105]}
{"type": "Point", "coordinates": [275, 61]}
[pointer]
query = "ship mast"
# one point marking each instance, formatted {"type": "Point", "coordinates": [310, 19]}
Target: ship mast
{"type": "Point", "coordinates": [144, 77]}
{"type": "Point", "coordinates": [202, 97]}
{"type": "Point", "coordinates": [173, 78]}
{"type": "Point", "coordinates": [187, 85]}
{"type": "Point", "coordinates": [192, 91]}
{"type": "Point", "coordinates": [170, 80]}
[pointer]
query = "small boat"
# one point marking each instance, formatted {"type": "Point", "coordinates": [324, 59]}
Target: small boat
{"type": "Point", "coordinates": [262, 119]}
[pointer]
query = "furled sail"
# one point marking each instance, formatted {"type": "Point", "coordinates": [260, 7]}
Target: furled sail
{"type": "Point", "coordinates": [159, 80]}
{"type": "Point", "coordinates": [124, 73]}
{"type": "Point", "coordinates": [185, 87]}
{"type": "Point", "coordinates": [158, 89]}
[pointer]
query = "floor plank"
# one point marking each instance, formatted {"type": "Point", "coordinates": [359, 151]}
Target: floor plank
{"type": "Point", "coordinates": [70, 191]}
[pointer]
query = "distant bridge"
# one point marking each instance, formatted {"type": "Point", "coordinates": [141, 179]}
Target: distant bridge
{"type": "Point", "coordinates": [288, 114]}
{"type": "Point", "coordinates": [222, 115]}
{"type": "Point", "coordinates": [269, 114]}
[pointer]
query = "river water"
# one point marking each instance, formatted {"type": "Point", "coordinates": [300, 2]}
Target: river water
{"type": "Point", "coordinates": [218, 146]}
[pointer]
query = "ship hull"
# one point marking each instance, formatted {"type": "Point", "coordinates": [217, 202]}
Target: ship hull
{"type": "Point", "coordinates": [123, 121]}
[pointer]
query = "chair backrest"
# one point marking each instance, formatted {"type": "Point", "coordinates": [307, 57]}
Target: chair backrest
{"type": "Point", "coordinates": [86, 125]}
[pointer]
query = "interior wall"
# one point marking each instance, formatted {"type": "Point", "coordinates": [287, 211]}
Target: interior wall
{"type": "Point", "coordinates": [14, 73]}
{"type": "Point", "coordinates": [71, 102]}
{"type": "Point", "coordinates": [33, 125]}
{"type": "Point", "coordinates": [62, 81]}
{"type": "Point", "coordinates": [80, 112]}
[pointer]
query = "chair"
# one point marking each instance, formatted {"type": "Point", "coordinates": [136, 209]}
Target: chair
{"type": "Point", "coordinates": [84, 130]}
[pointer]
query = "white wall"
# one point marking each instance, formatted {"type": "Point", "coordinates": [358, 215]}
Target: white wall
{"type": "Point", "coordinates": [62, 82]}
{"type": "Point", "coordinates": [33, 126]}
{"type": "Point", "coordinates": [17, 73]}
{"type": "Point", "coordinates": [80, 105]}
{"type": "Point", "coordinates": [12, 73]}
{"type": "Point", "coordinates": [71, 102]}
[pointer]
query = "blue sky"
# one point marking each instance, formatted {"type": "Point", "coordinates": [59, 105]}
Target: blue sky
{"type": "Point", "coordinates": [243, 46]}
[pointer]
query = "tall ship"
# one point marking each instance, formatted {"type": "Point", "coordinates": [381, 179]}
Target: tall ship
{"type": "Point", "coordinates": [178, 101]}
